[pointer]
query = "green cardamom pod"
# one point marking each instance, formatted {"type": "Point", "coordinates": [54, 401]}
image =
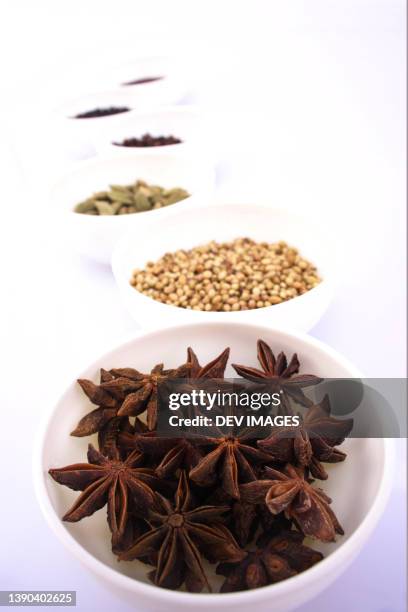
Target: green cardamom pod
{"type": "Point", "coordinates": [103, 208]}
{"type": "Point", "coordinates": [120, 196]}
{"type": "Point", "coordinates": [116, 206]}
{"type": "Point", "coordinates": [85, 207]}
{"type": "Point", "coordinates": [141, 202]}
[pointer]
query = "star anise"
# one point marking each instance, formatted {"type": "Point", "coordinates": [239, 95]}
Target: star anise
{"type": "Point", "coordinates": [232, 462]}
{"type": "Point", "coordinates": [110, 434]}
{"type": "Point", "coordinates": [168, 452]}
{"type": "Point", "coordinates": [315, 440]}
{"type": "Point", "coordinates": [145, 398]}
{"type": "Point", "coordinates": [231, 492]}
{"type": "Point", "coordinates": [181, 533]}
{"type": "Point", "coordinates": [123, 485]}
{"type": "Point", "coordinates": [135, 526]}
{"type": "Point", "coordinates": [108, 396]}
{"type": "Point", "coordinates": [284, 556]}
{"type": "Point", "coordinates": [213, 369]}
{"type": "Point", "coordinates": [288, 491]}
{"type": "Point", "coordinates": [124, 392]}
{"type": "Point", "coordinates": [184, 454]}
{"type": "Point", "coordinates": [126, 436]}
{"type": "Point", "coordinates": [283, 375]}
{"type": "Point", "coordinates": [245, 518]}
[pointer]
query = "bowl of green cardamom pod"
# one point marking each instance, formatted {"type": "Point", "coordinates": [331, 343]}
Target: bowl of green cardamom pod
{"type": "Point", "coordinates": [100, 199]}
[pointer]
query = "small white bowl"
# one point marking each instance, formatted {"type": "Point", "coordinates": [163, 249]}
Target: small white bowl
{"type": "Point", "coordinates": [76, 131]}
{"type": "Point", "coordinates": [358, 501]}
{"type": "Point", "coordinates": [171, 86]}
{"type": "Point", "coordinates": [96, 236]}
{"type": "Point", "coordinates": [190, 228]}
{"type": "Point", "coordinates": [182, 122]}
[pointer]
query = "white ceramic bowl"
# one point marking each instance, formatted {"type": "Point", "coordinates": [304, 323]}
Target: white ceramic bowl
{"type": "Point", "coordinates": [186, 229]}
{"type": "Point", "coordinates": [74, 131]}
{"type": "Point", "coordinates": [169, 89]}
{"type": "Point", "coordinates": [182, 122]}
{"type": "Point", "coordinates": [358, 502]}
{"type": "Point", "coordinates": [96, 236]}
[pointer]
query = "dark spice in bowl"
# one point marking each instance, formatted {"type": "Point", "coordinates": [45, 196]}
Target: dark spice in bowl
{"type": "Point", "coordinates": [102, 112]}
{"type": "Point", "coordinates": [143, 80]}
{"type": "Point", "coordinates": [147, 140]}
{"type": "Point", "coordinates": [245, 502]}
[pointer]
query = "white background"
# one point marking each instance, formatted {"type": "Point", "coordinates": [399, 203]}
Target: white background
{"type": "Point", "coordinates": [307, 105]}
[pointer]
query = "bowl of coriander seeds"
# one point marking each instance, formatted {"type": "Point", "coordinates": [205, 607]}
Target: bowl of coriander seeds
{"type": "Point", "coordinates": [239, 262]}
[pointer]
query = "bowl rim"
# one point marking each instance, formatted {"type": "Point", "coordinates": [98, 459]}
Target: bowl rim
{"type": "Point", "coordinates": [326, 283]}
{"type": "Point", "coordinates": [79, 167]}
{"type": "Point", "coordinates": [337, 559]}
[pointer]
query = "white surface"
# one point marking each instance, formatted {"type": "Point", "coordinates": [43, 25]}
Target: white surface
{"type": "Point", "coordinates": [90, 541]}
{"type": "Point", "coordinates": [327, 81]}
{"type": "Point", "coordinates": [224, 221]}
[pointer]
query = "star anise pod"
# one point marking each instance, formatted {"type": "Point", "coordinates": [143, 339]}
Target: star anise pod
{"type": "Point", "coordinates": [109, 438]}
{"type": "Point", "coordinates": [245, 518]}
{"type": "Point", "coordinates": [244, 521]}
{"type": "Point", "coordinates": [181, 533]}
{"type": "Point", "coordinates": [135, 526]}
{"type": "Point", "coordinates": [126, 436]}
{"type": "Point", "coordinates": [168, 452]}
{"type": "Point", "coordinates": [213, 369]}
{"type": "Point", "coordinates": [121, 484]}
{"type": "Point", "coordinates": [124, 392]}
{"type": "Point", "coordinates": [284, 556]}
{"type": "Point", "coordinates": [184, 454]}
{"type": "Point", "coordinates": [271, 524]}
{"type": "Point", "coordinates": [145, 398]}
{"type": "Point", "coordinates": [313, 441]}
{"type": "Point", "coordinates": [288, 491]}
{"type": "Point", "coordinates": [108, 396]}
{"type": "Point", "coordinates": [232, 462]}
{"type": "Point", "coordinates": [281, 374]}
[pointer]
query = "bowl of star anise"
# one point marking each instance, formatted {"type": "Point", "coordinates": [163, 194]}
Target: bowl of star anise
{"type": "Point", "coordinates": [217, 522]}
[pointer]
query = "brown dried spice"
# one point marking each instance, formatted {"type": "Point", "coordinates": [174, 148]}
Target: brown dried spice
{"type": "Point", "coordinates": [289, 492]}
{"type": "Point", "coordinates": [123, 485]}
{"type": "Point", "coordinates": [284, 556]}
{"type": "Point", "coordinates": [278, 370]}
{"type": "Point", "coordinates": [124, 392]}
{"type": "Point", "coordinates": [311, 443]}
{"type": "Point", "coordinates": [184, 533]}
{"type": "Point", "coordinates": [233, 489]}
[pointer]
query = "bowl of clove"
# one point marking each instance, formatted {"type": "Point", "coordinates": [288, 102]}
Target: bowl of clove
{"type": "Point", "coordinates": [222, 522]}
{"type": "Point", "coordinates": [239, 262]}
{"type": "Point", "coordinates": [100, 199]}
